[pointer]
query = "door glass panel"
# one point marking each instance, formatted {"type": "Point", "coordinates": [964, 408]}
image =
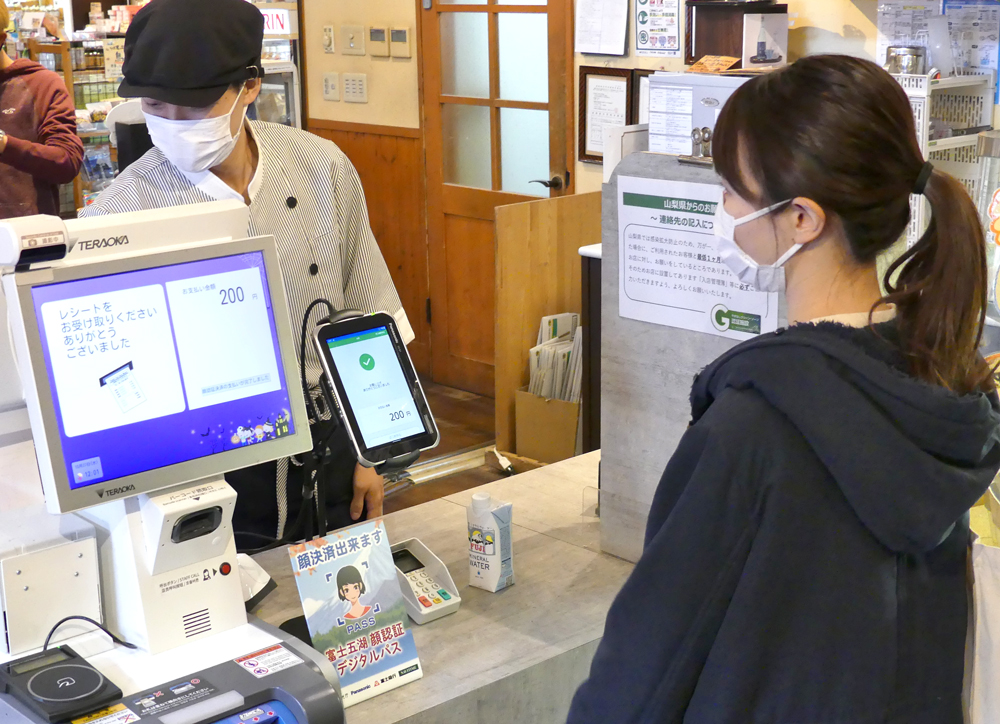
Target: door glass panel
{"type": "Point", "coordinates": [467, 156]}
{"type": "Point", "coordinates": [475, 2]}
{"type": "Point", "coordinates": [465, 55]}
{"type": "Point", "coordinates": [524, 148]}
{"type": "Point", "coordinates": [524, 57]}
{"type": "Point", "coordinates": [523, 2]}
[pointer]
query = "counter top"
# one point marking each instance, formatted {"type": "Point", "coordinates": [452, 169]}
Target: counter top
{"type": "Point", "coordinates": [593, 251]}
{"type": "Point", "coordinates": [564, 587]}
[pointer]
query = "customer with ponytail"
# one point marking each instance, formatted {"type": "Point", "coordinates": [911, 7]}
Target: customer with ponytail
{"type": "Point", "coordinates": [806, 550]}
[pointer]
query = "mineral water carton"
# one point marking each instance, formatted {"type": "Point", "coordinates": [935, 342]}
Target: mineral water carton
{"type": "Point", "coordinates": [491, 561]}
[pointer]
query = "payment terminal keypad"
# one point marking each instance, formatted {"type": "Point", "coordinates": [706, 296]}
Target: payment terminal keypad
{"type": "Point", "coordinates": [432, 591]}
{"type": "Point", "coordinates": [427, 591]}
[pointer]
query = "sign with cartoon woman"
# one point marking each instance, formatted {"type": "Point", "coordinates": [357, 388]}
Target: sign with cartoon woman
{"type": "Point", "coordinates": [354, 610]}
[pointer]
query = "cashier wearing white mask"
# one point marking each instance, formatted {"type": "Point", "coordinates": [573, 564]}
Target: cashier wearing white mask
{"type": "Point", "coordinates": [196, 66]}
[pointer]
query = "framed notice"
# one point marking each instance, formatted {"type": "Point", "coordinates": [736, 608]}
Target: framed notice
{"type": "Point", "coordinates": [640, 95]}
{"type": "Point", "coordinates": [605, 102]}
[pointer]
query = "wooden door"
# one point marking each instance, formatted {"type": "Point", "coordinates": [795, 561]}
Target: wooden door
{"type": "Point", "coordinates": [497, 109]}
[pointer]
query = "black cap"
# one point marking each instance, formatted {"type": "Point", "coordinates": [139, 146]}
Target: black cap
{"type": "Point", "coordinates": [188, 52]}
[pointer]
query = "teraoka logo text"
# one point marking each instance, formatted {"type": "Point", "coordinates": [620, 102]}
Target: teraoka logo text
{"type": "Point", "coordinates": [103, 243]}
{"type": "Point", "coordinates": [115, 491]}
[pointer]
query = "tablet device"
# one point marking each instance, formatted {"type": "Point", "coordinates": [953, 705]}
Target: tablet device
{"type": "Point", "coordinates": [375, 388]}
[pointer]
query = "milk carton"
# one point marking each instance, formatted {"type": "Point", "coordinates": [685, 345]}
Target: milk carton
{"type": "Point", "coordinates": [491, 563]}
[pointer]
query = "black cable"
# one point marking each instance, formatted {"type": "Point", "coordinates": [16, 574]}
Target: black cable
{"type": "Point", "coordinates": [259, 536]}
{"type": "Point", "coordinates": [114, 638]}
{"type": "Point", "coordinates": [300, 523]}
{"type": "Point", "coordinates": [302, 353]}
{"type": "Point", "coordinates": [319, 453]}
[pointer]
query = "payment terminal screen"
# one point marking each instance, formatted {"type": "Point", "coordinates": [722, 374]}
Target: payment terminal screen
{"type": "Point", "coordinates": [160, 366]}
{"type": "Point", "coordinates": [376, 387]}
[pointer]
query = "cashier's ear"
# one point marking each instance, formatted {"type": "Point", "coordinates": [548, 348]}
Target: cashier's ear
{"type": "Point", "coordinates": [253, 87]}
{"type": "Point", "coordinates": [805, 220]}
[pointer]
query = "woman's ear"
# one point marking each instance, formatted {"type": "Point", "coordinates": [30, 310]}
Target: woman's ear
{"type": "Point", "coordinates": [808, 220]}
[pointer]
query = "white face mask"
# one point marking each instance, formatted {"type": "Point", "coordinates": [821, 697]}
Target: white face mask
{"type": "Point", "coordinates": [762, 277]}
{"type": "Point", "coordinates": [196, 146]}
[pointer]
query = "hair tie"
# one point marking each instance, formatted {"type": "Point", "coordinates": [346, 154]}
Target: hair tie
{"type": "Point", "coordinates": [925, 174]}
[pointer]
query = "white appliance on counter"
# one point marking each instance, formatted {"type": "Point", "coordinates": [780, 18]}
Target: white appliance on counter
{"type": "Point", "coordinates": [280, 95]}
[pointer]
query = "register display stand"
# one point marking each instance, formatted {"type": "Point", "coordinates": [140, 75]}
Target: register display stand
{"type": "Point", "coordinates": [143, 533]}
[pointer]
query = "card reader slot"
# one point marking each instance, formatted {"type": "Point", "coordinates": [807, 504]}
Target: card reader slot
{"type": "Point", "coordinates": [203, 711]}
{"type": "Point", "coordinates": [196, 525]}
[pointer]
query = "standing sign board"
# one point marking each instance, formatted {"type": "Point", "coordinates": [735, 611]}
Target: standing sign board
{"type": "Point", "coordinates": [354, 610]}
{"type": "Point", "coordinates": [670, 272]}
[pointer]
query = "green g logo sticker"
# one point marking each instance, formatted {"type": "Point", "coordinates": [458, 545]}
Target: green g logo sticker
{"type": "Point", "coordinates": [725, 321]}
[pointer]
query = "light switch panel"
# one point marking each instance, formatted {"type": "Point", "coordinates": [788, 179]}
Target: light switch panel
{"type": "Point", "coordinates": [378, 42]}
{"type": "Point", "coordinates": [355, 87]}
{"type": "Point", "coordinates": [331, 86]}
{"type": "Point", "coordinates": [329, 45]}
{"type": "Point", "coordinates": [352, 39]}
{"type": "Point", "coordinates": [399, 42]}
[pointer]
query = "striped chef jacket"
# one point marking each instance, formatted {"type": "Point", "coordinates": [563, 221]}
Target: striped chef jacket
{"type": "Point", "coordinates": [307, 194]}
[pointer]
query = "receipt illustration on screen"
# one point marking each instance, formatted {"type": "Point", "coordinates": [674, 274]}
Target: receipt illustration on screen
{"type": "Point", "coordinates": [124, 387]}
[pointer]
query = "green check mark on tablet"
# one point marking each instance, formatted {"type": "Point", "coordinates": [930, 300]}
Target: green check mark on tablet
{"type": "Point", "coordinates": [368, 362]}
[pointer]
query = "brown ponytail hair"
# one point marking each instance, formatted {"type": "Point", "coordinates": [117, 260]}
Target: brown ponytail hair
{"type": "Point", "coordinates": [839, 130]}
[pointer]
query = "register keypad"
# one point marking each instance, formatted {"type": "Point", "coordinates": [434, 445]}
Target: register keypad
{"type": "Point", "coordinates": [426, 589]}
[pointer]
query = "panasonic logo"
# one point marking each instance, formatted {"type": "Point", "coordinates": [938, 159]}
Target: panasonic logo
{"type": "Point", "coordinates": [115, 491]}
{"type": "Point", "coordinates": [91, 244]}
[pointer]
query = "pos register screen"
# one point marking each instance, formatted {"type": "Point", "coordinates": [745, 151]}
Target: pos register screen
{"type": "Point", "coordinates": [159, 366]}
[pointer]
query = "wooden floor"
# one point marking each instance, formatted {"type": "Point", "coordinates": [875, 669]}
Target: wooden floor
{"type": "Point", "coordinates": [440, 488]}
{"type": "Point", "coordinates": [465, 420]}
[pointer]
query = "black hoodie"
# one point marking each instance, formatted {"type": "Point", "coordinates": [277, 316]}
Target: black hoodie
{"type": "Point", "coordinates": [805, 558]}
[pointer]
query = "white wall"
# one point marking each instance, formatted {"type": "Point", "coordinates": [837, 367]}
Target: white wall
{"type": "Point", "coordinates": [10, 385]}
{"type": "Point", "coordinates": [393, 85]}
{"type": "Point", "coordinates": [817, 26]}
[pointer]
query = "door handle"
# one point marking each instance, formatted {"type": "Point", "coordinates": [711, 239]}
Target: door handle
{"type": "Point", "coordinates": [555, 183]}
{"type": "Point", "coordinates": [428, 4]}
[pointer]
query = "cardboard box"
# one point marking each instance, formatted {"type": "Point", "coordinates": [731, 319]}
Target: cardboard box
{"type": "Point", "coordinates": [546, 429]}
